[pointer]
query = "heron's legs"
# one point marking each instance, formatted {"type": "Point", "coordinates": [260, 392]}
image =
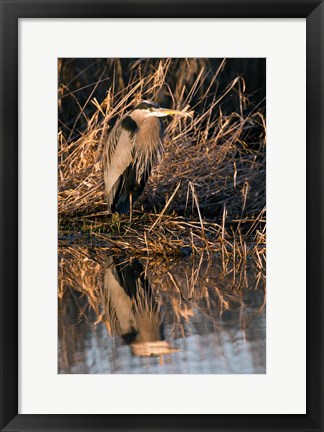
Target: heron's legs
{"type": "Point", "coordinates": [130, 207]}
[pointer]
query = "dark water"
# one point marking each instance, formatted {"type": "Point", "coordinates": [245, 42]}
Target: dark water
{"type": "Point", "coordinates": [183, 316]}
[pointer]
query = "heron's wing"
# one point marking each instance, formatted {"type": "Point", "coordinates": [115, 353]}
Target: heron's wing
{"type": "Point", "coordinates": [117, 158]}
{"type": "Point", "coordinates": [111, 143]}
{"type": "Point", "coordinates": [147, 151]}
{"type": "Point", "coordinates": [130, 154]}
{"type": "Point", "coordinates": [127, 184]}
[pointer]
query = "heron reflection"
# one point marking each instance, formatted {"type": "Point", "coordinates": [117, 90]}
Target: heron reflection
{"type": "Point", "coordinates": [132, 310]}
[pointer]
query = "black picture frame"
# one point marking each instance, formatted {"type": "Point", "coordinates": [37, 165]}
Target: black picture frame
{"type": "Point", "coordinates": [11, 11]}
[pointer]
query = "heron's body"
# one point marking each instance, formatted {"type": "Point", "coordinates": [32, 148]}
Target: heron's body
{"type": "Point", "coordinates": [133, 147]}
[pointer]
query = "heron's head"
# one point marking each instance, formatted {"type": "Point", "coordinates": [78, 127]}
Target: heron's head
{"type": "Point", "coordinates": [147, 109]}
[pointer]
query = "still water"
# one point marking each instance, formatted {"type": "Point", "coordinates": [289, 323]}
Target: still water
{"type": "Point", "coordinates": [188, 315]}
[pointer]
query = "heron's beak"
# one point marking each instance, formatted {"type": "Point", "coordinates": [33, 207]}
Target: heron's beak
{"type": "Point", "coordinates": [163, 112]}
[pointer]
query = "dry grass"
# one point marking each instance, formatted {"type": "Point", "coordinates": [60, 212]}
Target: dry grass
{"type": "Point", "coordinates": [81, 268]}
{"type": "Point", "coordinates": [176, 236]}
{"type": "Point", "coordinates": [217, 159]}
{"type": "Point", "coordinates": [199, 229]}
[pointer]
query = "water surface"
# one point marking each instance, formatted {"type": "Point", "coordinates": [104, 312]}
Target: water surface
{"type": "Point", "coordinates": [181, 315]}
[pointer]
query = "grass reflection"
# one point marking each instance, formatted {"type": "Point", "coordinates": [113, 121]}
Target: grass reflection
{"type": "Point", "coordinates": [155, 305]}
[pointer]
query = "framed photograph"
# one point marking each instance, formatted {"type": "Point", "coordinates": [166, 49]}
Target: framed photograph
{"type": "Point", "coordinates": [161, 215]}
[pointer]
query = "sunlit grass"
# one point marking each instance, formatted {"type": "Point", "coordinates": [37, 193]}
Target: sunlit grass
{"type": "Point", "coordinates": [217, 159]}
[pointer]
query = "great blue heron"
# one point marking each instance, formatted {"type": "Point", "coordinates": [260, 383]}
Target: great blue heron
{"type": "Point", "coordinates": [133, 147]}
